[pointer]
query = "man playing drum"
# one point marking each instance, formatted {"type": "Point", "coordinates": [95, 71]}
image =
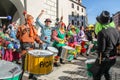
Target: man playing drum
{"type": "Point", "coordinates": [27, 34]}
{"type": "Point", "coordinates": [45, 30]}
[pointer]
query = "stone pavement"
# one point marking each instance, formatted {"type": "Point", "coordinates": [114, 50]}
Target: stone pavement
{"type": "Point", "coordinates": [75, 70]}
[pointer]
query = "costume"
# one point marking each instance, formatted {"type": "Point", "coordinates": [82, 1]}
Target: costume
{"type": "Point", "coordinates": [59, 41]}
{"type": "Point", "coordinates": [27, 34]}
{"type": "Point", "coordinates": [46, 34]}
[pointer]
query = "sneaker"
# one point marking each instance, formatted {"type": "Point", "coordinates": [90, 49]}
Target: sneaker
{"type": "Point", "coordinates": [61, 61]}
{"type": "Point", "coordinates": [87, 54]}
{"type": "Point", "coordinates": [30, 76]}
{"type": "Point", "coordinates": [75, 58]}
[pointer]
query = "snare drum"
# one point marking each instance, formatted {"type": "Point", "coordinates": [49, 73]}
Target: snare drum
{"type": "Point", "coordinates": [9, 71]}
{"type": "Point", "coordinates": [64, 54]}
{"type": "Point", "coordinates": [53, 50]}
{"type": "Point", "coordinates": [89, 64]}
{"type": "Point", "coordinates": [39, 61]}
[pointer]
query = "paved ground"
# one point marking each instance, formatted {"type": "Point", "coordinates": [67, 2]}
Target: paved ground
{"type": "Point", "coordinates": [76, 70]}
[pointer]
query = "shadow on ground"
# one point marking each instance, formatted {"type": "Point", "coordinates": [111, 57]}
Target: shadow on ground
{"type": "Point", "coordinates": [69, 78]}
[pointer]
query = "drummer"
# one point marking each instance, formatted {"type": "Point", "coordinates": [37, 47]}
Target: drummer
{"type": "Point", "coordinates": [59, 41]}
{"type": "Point", "coordinates": [27, 34]}
{"type": "Point", "coordinates": [45, 29]}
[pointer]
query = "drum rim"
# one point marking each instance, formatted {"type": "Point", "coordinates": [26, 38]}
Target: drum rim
{"type": "Point", "coordinates": [92, 61]}
{"type": "Point", "coordinates": [69, 47]}
{"type": "Point", "coordinates": [55, 50]}
{"type": "Point", "coordinates": [51, 54]}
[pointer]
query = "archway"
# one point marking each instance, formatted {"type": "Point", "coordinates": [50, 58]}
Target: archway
{"type": "Point", "coordinates": [14, 8]}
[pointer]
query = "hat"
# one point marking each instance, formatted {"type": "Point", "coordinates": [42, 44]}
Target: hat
{"type": "Point", "coordinates": [104, 17]}
{"type": "Point", "coordinates": [73, 27]}
{"type": "Point", "coordinates": [48, 20]}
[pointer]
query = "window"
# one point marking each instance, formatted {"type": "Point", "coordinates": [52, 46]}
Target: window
{"type": "Point", "coordinates": [82, 9]}
{"type": "Point", "coordinates": [79, 1]}
{"type": "Point", "coordinates": [82, 17]}
{"type": "Point", "coordinates": [72, 22]}
{"type": "Point", "coordinates": [72, 13]}
{"type": "Point", "coordinates": [78, 8]}
{"type": "Point", "coordinates": [72, 5]}
{"type": "Point", "coordinates": [82, 23]}
{"type": "Point", "coordinates": [78, 23]}
{"type": "Point", "coordinates": [77, 15]}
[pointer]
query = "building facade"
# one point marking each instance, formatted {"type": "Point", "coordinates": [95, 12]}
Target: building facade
{"type": "Point", "coordinates": [116, 18]}
{"type": "Point", "coordinates": [72, 10]}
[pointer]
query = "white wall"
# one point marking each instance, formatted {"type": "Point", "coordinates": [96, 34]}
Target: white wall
{"type": "Point", "coordinates": [47, 5]}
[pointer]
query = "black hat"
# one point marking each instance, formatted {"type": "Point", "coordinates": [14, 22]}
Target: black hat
{"type": "Point", "coordinates": [104, 17]}
{"type": "Point", "coordinates": [48, 20]}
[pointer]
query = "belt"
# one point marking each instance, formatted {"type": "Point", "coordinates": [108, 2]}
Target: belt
{"type": "Point", "coordinates": [113, 57]}
{"type": "Point", "coordinates": [27, 43]}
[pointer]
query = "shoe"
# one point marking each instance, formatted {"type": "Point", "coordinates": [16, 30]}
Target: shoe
{"type": "Point", "coordinates": [75, 58]}
{"type": "Point", "coordinates": [34, 78]}
{"type": "Point", "coordinates": [31, 76]}
{"type": "Point", "coordinates": [61, 61]}
{"type": "Point", "coordinates": [57, 64]}
{"type": "Point", "coordinates": [87, 54]}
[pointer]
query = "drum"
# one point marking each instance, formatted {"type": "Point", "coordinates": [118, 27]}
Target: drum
{"type": "Point", "coordinates": [89, 64]}
{"type": "Point", "coordinates": [9, 71]}
{"type": "Point", "coordinates": [39, 62]}
{"type": "Point", "coordinates": [53, 50]}
{"type": "Point", "coordinates": [78, 48]}
{"type": "Point", "coordinates": [64, 55]}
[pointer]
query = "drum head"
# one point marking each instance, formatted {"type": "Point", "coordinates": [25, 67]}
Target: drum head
{"type": "Point", "coordinates": [68, 48]}
{"type": "Point", "coordinates": [8, 70]}
{"type": "Point", "coordinates": [52, 49]}
{"type": "Point", "coordinates": [40, 53]}
{"type": "Point", "coordinates": [90, 61]}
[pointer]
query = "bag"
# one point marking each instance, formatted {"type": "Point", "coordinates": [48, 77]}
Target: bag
{"type": "Point", "coordinates": [94, 69]}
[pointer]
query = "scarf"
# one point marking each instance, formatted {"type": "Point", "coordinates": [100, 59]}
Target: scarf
{"type": "Point", "coordinates": [99, 27]}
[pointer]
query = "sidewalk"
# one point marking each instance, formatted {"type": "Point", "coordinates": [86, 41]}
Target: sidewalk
{"type": "Point", "coordinates": [76, 70]}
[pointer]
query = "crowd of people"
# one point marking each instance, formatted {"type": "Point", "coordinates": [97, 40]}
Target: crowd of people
{"type": "Point", "coordinates": [16, 41]}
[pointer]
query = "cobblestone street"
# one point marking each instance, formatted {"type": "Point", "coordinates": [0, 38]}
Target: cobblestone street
{"type": "Point", "coordinates": [75, 70]}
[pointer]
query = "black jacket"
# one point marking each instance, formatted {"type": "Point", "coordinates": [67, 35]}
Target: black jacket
{"type": "Point", "coordinates": [108, 39]}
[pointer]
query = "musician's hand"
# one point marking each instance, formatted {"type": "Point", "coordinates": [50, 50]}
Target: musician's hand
{"type": "Point", "coordinates": [42, 11]}
{"type": "Point", "coordinates": [41, 42]}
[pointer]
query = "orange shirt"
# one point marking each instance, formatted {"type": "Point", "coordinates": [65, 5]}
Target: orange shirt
{"type": "Point", "coordinates": [27, 34]}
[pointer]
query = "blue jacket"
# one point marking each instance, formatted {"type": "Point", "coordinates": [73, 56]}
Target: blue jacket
{"type": "Point", "coordinates": [46, 31]}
